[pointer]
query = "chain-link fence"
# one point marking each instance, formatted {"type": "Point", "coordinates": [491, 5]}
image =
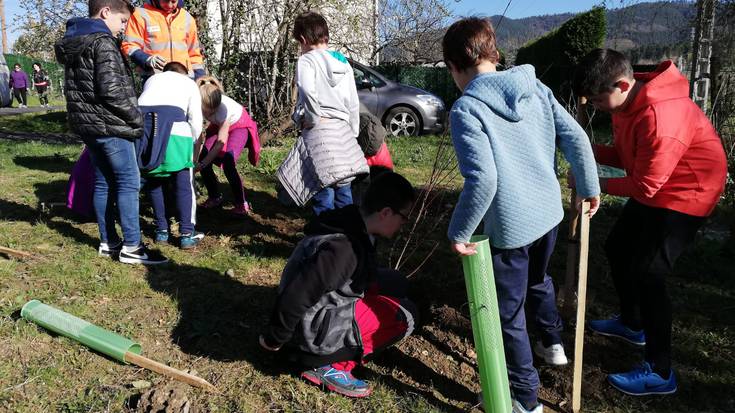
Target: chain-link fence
{"type": "Point", "coordinates": [436, 80]}
{"type": "Point", "coordinates": [54, 71]}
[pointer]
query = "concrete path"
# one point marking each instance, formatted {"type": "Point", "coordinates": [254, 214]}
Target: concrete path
{"type": "Point", "coordinates": [32, 109]}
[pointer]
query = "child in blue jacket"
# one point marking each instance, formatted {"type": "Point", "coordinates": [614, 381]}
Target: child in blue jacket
{"type": "Point", "coordinates": [505, 128]}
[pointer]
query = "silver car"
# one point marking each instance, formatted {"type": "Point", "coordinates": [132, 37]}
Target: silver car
{"type": "Point", "coordinates": [404, 110]}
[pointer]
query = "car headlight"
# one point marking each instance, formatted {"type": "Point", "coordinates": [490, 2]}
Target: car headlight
{"type": "Point", "coordinates": [431, 100]}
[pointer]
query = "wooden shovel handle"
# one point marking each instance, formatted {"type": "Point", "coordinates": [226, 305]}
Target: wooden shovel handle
{"type": "Point", "coordinates": [584, 233]}
{"type": "Point", "coordinates": [175, 374]}
{"type": "Point", "coordinates": [567, 309]}
{"type": "Point", "coordinates": [14, 253]}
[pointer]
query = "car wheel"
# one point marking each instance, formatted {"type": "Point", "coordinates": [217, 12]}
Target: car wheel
{"type": "Point", "coordinates": [402, 121]}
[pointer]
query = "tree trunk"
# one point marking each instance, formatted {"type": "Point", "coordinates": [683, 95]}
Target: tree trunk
{"type": "Point", "coordinates": [2, 23]}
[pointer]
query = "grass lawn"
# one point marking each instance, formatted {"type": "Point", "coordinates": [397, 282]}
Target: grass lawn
{"type": "Point", "coordinates": [196, 314]}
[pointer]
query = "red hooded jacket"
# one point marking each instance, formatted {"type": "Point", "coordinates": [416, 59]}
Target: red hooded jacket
{"type": "Point", "coordinates": [672, 156]}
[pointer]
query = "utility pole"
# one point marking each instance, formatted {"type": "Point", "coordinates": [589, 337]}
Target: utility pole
{"type": "Point", "coordinates": [376, 32]}
{"type": "Point", "coordinates": [2, 23]}
{"type": "Point", "coordinates": [699, 80]}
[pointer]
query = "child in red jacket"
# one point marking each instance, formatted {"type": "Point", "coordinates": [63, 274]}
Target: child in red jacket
{"type": "Point", "coordinates": [675, 173]}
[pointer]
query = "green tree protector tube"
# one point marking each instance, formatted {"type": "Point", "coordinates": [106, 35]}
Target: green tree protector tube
{"type": "Point", "coordinates": [96, 338]}
{"type": "Point", "coordinates": [483, 304]}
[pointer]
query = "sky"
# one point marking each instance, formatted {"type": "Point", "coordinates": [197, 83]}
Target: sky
{"type": "Point", "coordinates": [525, 8]}
{"type": "Point", "coordinates": [12, 9]}
{"type": "Point", "coordinates": [516, 10]}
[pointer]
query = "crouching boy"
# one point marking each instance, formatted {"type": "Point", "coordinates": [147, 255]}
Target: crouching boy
{"type": "Point", "coordinates": [334, 307]}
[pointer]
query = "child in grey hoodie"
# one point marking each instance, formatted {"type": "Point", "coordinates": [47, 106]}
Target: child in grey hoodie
{"type": "Point", "coordinates": [327, 156]}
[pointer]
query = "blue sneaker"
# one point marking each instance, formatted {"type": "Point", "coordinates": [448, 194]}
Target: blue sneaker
{"type": "Point", "coordinates": [161, 236]}
{"type": "Point", "coordinates": [615, 328]}
{"type": "Point", "coordinates": [338, 381]}
{"type": "Point", "coordinates": [188, 241]}
{"type": "Point", "coordinates": [642, 381]}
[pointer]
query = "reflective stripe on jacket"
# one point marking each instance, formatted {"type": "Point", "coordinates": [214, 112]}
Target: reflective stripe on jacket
{"type": "Point", "coordinates": [173, 36]}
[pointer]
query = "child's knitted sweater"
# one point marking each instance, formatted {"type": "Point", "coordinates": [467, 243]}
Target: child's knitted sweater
{"type": "Point", "coordinates": [505, 129]}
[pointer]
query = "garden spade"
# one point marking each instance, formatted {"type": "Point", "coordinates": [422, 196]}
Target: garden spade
{"type": "Point", "coordinates": [483, 305]}
{"type": "Point", "coordinates": [103, 341]}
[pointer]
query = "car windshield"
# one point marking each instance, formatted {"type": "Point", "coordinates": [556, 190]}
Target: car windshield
{"type": "Point", "coordinates": [361, 74]}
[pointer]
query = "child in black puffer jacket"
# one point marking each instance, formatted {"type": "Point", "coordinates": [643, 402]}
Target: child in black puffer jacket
{"type": "Point", "coordinates": [103, 109]}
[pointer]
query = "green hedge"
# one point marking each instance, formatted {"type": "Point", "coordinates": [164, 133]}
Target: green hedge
{"type": "Point", "coordinates": [555, 54]}
{"type": "Point", "coordinates": [54, 70]}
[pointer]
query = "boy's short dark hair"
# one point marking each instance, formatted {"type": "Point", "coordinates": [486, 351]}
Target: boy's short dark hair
{"type": "Point", "coordinates": [115, 5]}
{"type": "Point", "coordinates": [468, 41]}
{"type": "Point", "coordinates": [599, 70]}
{"type": "Point", "coordinates": [175, 67]}
{"type": "Point", "coordinates": [16, 65]}
{"type": "Point", "coordinates": [390, 190]}
{"type": "Point", "coordinates": [312, 27]}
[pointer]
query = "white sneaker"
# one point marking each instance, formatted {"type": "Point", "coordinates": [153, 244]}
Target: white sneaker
{"type": "Point", "coordinates": [553, 355]}
{"type": "Point", "coordinates": [518, 408]}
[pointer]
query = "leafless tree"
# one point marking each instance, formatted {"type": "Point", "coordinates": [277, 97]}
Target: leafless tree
{"type": "Point", "coordinates": [42, 23]}
{"type": "Point", "coordinates": [409, 27]}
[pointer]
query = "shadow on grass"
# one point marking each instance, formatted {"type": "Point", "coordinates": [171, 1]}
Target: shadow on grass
{"type": "Point", "coordinates": [50, 163]}
{"type": "Point", "coordinates": [392, 358]}
{"type": "Point", "coordinates": [13, 211]}
{"type": "Point", "coordinates": [272, 231]}
{"type": "Point", "coordinates": [219, 317]}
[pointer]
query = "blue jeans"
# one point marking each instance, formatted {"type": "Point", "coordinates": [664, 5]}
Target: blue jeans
{"type": "Point", "coordinates": [116, 184]}
{"type": "Point", "coordinates": [332, 197]}
{"type": "Point", "coordinates": [521, 281]}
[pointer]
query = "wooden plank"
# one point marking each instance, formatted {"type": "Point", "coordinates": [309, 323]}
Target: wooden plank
{"type": "Point", "coordinates": [584, 234]}
{"type": "Point", "coordinates": [175, 374]}
{"type": "Point", "coordinates": [14, 253]}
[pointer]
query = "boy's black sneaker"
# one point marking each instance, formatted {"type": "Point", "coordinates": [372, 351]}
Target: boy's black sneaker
{"type": "Point", "coordinates": [142, 255]}
{"type": "Point", "coordinates": [107, 250]}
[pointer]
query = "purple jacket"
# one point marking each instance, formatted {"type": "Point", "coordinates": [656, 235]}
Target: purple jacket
{"type": "Point", "coordinates": [19, 79]}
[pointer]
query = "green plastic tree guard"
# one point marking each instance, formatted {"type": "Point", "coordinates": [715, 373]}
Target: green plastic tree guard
{"type": "Point", "coordinates": [483, 304]}
{"type": "Point", "coordinates": [96, 338]}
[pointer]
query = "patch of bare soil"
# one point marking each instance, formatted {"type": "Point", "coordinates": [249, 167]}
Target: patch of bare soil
{"type": "Point", "coordinates": [169, 397]}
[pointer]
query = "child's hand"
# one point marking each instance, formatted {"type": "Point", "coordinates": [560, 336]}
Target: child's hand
{"type": "Point", "coordinates": [265, 345]}
{"type": "Point", "coordinates": [464, 248]}
{"type": "Point", "coordinates": [594, 204]}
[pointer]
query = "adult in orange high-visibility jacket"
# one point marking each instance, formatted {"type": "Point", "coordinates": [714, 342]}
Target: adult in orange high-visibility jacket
{"type": "Point", "coordinates": [160, 32]}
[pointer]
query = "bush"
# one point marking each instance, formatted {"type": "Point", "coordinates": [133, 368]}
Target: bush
{"type": "Point", "coordinates": [555, 54]}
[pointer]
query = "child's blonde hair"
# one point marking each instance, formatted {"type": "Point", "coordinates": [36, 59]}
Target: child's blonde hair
{"type": "Point", "coordinates": [211, 91]}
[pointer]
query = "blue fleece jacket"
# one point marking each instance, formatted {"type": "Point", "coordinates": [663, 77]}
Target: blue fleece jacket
{"type": "Point", "coordinates": [505, 128]}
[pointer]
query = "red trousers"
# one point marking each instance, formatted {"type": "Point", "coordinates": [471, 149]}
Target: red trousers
{"type": "Point", "coordinates": [382, 321]}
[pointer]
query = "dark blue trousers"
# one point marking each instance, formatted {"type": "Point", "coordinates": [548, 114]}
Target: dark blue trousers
{"type": "Point", "coordinates": [332, 197]}
{"type": "Point", "coordinates": [521, 282]}
{"type": "Point", "coordinates": [181, 183]}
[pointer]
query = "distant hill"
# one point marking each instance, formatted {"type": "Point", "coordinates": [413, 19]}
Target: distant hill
{"type": "Point", "coordinates": [646, 31]}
